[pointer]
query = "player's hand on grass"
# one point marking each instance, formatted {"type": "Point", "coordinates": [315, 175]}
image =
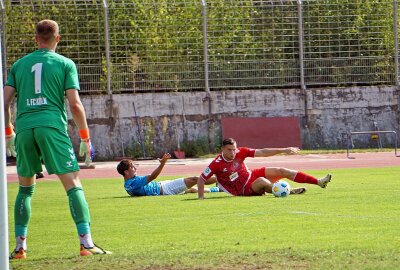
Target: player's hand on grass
{"type": "Point", "coordinates": [10, 139]}
{"type": "Point", "coordinates": [86, 149]}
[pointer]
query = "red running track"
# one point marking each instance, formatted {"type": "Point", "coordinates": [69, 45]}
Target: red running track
{"type": "Point", "coordinates": [188, 167]}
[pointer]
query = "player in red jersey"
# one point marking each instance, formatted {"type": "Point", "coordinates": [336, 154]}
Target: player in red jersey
{"type": "Point", "coordinates": [235, 178]}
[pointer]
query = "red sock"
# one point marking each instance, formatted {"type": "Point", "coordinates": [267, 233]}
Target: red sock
{"type": "Point", "coordinates": [305, 178]}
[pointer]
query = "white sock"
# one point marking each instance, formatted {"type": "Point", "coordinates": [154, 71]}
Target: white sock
{"type": "Point", "coordinates": [21, 242]}
{"type": "Point", "coordinates": [86, 240]}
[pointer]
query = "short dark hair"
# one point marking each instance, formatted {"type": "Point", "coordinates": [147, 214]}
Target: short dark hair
{"type": "Point", "coordinates": [46, 30]}
{"type": "Point", "coordinates": [228, 141]}
{"type": "Point", "coordinates": [123, 166]}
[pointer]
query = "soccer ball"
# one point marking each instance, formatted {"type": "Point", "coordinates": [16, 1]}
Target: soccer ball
{"type": "Point", "coordinates": [281, 189]}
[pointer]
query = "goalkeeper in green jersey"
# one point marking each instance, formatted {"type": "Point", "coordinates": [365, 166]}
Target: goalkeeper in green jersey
{"type": "Point", "coordinates": [40, 81]}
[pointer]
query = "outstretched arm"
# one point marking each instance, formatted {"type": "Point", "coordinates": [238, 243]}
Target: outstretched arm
{"type": "Point", "coordinates": [267, 152]}
{"type": "Point", "coordinates": [158, 170]}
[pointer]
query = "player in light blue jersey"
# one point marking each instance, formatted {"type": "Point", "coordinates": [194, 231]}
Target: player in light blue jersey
{"type": "Point", "coordinates": [136, 185]}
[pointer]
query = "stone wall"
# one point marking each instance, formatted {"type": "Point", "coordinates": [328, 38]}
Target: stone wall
{"type": "Point", "coordinates": [165, 118]}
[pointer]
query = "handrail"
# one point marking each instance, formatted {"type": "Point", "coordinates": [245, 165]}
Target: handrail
{"type": "Point", "coordinates": [350, 133]}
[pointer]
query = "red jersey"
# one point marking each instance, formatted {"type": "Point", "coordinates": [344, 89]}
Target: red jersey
{"type": "Point", "coordinates": [231, 175]}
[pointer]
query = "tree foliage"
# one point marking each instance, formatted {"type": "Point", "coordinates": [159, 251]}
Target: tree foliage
{"type": "Point", "coordinates": [158, 44]}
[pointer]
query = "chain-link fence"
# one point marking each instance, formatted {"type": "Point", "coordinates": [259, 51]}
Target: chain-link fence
{"type": "Point", "coordinates": [348, 44]}
{"type": "Point", "coordinates": [195, 45]}
{"type": "Point", "coordinates": [81, 28]}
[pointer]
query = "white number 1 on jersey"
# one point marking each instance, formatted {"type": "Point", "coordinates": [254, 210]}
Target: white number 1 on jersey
{"type": "Point", "coordinates": [37, 68]}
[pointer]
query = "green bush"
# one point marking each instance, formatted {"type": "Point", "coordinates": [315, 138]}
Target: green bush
{"type": "Point", "coordinates": [196, 148]}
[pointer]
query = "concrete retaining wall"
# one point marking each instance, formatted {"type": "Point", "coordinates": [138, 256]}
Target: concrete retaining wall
{"type": "Point", "coordinates": [165, 118]}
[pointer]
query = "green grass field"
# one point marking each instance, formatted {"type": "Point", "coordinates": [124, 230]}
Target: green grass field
{"type": "Point", "coordinates": [353, 224]}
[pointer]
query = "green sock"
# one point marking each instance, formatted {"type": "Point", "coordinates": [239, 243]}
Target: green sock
{"type": "Point", "coordinates": [22, 210]}
{"type": "Point", "coordinates": [79, 210]}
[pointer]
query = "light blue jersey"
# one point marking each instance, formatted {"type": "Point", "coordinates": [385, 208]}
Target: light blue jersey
{"type": "Point", "coordinates": [138, 186]}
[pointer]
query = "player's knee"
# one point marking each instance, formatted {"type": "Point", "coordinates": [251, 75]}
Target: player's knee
{"type": "Point", "coordinates": [210, 181]}
{"type": "Point", "coordinates": [191, 181]}
{"type": "Point", "coordinates": [266, 185]}
{"type": "Point", "coordinates": [194, 179]}
{"type": "Point", "coordinates": [262, 185]}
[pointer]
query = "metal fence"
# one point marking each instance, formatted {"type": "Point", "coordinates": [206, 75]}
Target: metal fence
{"type": "Point", "coordinates": [196, 45]}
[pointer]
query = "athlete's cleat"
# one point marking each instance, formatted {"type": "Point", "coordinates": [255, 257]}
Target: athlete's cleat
{"type": "Point", "coordinates": [39, 175]}
{"type": "Point", "coordinates": [16, 255]}
{"type": "Point", "coordinates": [214, 189]}
{"type": "Point", "coordinates": [93, 251]}
{"type": "Point", "coordinates": [323, 182]}
{"type": "Point", "coordinates": [300, 190]}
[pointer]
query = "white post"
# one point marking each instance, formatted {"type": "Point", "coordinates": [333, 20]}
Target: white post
{"type": "Point", "coordinates": [4, 263]}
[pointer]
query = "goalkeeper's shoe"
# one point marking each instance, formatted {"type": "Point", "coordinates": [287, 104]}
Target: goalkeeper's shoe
{"type": "Point", "coordinates": [20, 254]}
{"type": "Point", "coordinates": [300, 190]}
{"type": "Point", "coordinates": [323, 182]}
{"type": "Point", "coordinates": [95, 250]}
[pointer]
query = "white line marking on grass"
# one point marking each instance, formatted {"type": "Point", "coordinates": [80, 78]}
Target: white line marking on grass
{"type": "Point", "coordinates": [260, 213]}
{"type": "Point", "coordinates": [344, 216]}
{"type": "Point", "coordinates": [305, 213]}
